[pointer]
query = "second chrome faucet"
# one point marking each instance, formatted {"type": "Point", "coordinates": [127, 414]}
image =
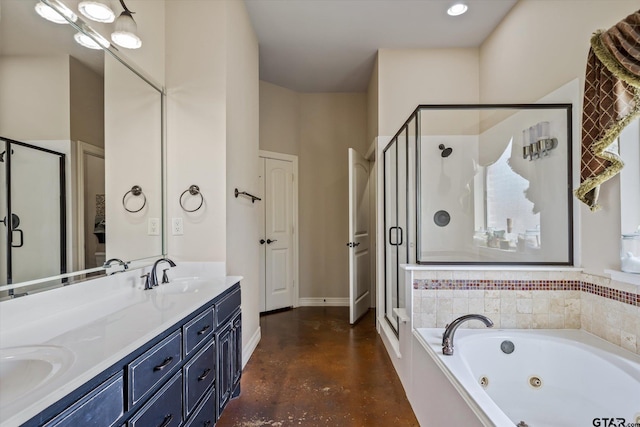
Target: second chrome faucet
{"type": "Point", "coordinates": [152, 278]}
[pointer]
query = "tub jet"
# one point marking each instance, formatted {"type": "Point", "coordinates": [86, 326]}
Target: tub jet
{"type": "Point", "coordinates": [446, 151]}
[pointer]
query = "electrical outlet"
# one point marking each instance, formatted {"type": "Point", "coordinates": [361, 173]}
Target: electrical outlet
{"type": "Point", "coordinates": [177, 227]}
{"type": "Point", "coordinates": [153, 227]}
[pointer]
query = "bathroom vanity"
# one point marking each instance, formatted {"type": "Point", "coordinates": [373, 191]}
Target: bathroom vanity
{"type": "Point", "coordinates": [108, 353]}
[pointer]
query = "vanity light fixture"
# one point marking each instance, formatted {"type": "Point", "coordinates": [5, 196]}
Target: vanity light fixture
{"type": "Point", "coordinates": [48, 13]}
{"type": "Point", "coordinates": [457, 9]}
{"type": "Point", "coordinates": [91, 43]}
{"type": "Point", "coordinates": [97, 10]}
{"type": "Point", "coordinates": [126, 31]}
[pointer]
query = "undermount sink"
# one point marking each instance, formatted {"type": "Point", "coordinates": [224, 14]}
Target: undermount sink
{"type": "Point", "coordinates": [182, 285]}
{"type": "Point", "coordinates": [26, 368]}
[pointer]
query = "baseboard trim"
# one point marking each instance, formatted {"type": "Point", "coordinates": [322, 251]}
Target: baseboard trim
{"type": "Point", "coordinates": [323, 302]}
{"type": "Point", "coordinates": [248, 350]}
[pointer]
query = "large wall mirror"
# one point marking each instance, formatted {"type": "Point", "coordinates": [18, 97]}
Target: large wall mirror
{"type": "Point", "coordinates": [80, 154]}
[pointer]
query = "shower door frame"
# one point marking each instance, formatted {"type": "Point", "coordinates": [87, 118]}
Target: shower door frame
{"type": "Point", "coordinates": [9, 222]}
{"type": "Point", "coordinates": [541, 106]}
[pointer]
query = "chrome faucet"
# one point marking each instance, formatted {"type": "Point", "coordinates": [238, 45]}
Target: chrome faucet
{"type": "Point", "coordinates": [153, 277]}
{"type": "Point", "coordinates": [108, 264]}
{"type": "Point", "coordinates": [447, 337]}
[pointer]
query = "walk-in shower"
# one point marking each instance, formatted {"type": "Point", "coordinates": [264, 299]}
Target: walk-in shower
{"type": "Point", "coordinates": [477, 184]}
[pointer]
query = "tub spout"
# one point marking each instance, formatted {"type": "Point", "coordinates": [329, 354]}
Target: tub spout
{"type": "Point", "coordinates": [447, 337]}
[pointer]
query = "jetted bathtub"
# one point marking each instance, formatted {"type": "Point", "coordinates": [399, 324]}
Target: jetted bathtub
{"type": "Point", "coordinates": [540, 378]}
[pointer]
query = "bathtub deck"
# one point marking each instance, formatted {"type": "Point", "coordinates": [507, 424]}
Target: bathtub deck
{"type": "Point", "coordinates": [312, 368]}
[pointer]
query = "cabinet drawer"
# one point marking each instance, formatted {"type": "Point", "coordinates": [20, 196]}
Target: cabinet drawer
{"type": "Point", "coordinates": [101, 407]}
{"type": "Point", "coordinates": [205, 413]}
{"type": "Point", "coordinates": [164, 409]}
{"type": "Point", "coordinates": [154, 365]}
{"type": "Point", "coordinates": [197, 330]}
{"type": "Point", "coordinates": [227, 306]}
{"type": "Point", "coordinates": [199, 374]}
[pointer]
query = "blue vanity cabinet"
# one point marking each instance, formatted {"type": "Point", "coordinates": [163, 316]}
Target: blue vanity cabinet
{"type": "Point", "coordinates": [153, 366]}
{"type": "Point", "coordinates": [164, 409]}
{"type": "Point", "coordinates": [183, 377]}
{"type": "Point", "coordinates": [229, 341]}
{"type": "Point", "coordinates": [199, 375]}
{"type": "Point", "coordinates": [101, 407]}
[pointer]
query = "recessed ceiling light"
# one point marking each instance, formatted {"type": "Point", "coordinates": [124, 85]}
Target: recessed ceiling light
{"type": "Point", "coordinates": [48, 13]}
{"type": "Point", "coordinates": [457, 9]}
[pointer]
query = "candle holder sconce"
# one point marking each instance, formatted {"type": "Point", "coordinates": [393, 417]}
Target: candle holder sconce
{"type": "Point", "coordinates": [536, 142]}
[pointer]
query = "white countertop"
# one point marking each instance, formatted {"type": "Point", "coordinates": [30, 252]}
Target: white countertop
{"type": "Point", "coordinates": [96, 323]}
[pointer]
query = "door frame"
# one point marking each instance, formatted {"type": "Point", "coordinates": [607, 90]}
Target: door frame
{"type": "Point", "coordinates": [294, 159]}
{"type": "Point", "coordinates": [82, 148]}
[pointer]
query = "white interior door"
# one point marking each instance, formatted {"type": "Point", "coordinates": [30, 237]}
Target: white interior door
{"type": "Point", "coordinates": [359, 253]}
{"type": "Point", "coordinates": [279, 216]}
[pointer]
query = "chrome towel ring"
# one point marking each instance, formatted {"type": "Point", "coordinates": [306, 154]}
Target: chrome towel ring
{"type": "Point", "coordinates": [194, 190]}
{"type": "Point", "coordinates": [136, 191]}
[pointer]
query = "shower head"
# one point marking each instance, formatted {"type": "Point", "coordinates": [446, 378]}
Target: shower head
{"type": "Point", "coordinates": [446, 152]}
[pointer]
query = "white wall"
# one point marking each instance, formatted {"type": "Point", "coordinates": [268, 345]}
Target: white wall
{"type": "Point", "coordinates": [212, 134]}
{"type": "Point", "coordinates": [556, 34]}
{"type": "Point", "coordinates": [196, 71]}
{"type": "Point", "coordinates": [409, 77]}
{"type": "Point", "coordinates": [243, 228]}
{"type": "Point", "coordinates": [133, 138]}
{"type": "Point", "coordinates": [33, 87]}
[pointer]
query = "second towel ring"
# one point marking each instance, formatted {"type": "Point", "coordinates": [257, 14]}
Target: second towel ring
{"type": "Point", "coordinates": [136, 190]}
{"type": "Point", "coordinates": [194, 190]}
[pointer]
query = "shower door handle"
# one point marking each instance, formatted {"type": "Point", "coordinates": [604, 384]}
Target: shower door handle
{"type": "Point", "coordinates": [21, 234]}
{"type": "Point", "coordinates": [397, 243]}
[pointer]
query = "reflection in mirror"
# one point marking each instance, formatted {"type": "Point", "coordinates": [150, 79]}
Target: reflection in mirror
{"type": "Point", "coordinates": [78, 129]}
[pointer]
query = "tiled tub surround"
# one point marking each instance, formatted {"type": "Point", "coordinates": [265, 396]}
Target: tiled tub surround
{"type": "Point", "coordinates": [530, 299]}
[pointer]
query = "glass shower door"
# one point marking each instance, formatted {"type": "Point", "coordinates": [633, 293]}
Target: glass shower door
{"type": "Point", "coordinates": [34, 241]}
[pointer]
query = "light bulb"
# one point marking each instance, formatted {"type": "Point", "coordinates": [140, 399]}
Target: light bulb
{"type": "Point", "coordinates": [50, 14]}
{"type": "Point", "coordinates": [97, 10]}
{"type": "Point", "coordinates": [125, 32]}
{"type": "Point", "coordinates": [89, 42]}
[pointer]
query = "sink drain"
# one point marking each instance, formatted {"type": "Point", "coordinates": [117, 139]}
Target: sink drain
{"type": "Point", "coordinates": [535, 382]}
{"type": "Point", "coordinates": [484, 382]}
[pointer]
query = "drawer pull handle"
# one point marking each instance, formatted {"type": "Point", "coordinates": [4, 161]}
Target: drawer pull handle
{"type": "Point", "coordinates": [204, 375]}
{"type": "Point", "coordinates": [163, 365]}
{"type": "Point", "coordinates": [167, 420]}
{"type": "Point", "coordinates": [203, 330]}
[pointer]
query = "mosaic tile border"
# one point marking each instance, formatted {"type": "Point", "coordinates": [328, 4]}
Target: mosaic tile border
{"type": "Point", "coordinates": [530, 285]}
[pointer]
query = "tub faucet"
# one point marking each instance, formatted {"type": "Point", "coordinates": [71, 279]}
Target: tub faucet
{"type": "Point", "coordinates": [447, 337]}
{"type": "Point", "coordinates": [153, 276]}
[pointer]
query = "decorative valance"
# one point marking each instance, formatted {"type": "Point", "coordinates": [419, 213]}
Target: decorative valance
{"type": "Point", "coordinates": [611, 102]}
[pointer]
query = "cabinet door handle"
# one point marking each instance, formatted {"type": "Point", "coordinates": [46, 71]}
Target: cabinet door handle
{"type": "Point", "coordinates": [204, 329]}
{"type": "Point", "coordinates": [207, 423]}
{"type": "Point", "coordinates": [164, 364]}
{"type": "Point", "coordinates": [167, 420]}
{"type": "Point", "coordinates": [269, 241]}
{"type": "Point", "coordinates": [204, 375]}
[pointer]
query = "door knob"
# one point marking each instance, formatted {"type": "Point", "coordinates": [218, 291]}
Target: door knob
{"type": "Point", "coordinates": [262, 241]}
{"type": "Point", "coordinates": [269, 241]}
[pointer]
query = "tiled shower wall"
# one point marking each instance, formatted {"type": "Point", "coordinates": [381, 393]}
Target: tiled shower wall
{"type": "Point", "coordinates": [530, 299]}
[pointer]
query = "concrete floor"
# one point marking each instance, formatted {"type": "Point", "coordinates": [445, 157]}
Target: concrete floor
{"type": "Point", "coordinates": [312, 368]}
